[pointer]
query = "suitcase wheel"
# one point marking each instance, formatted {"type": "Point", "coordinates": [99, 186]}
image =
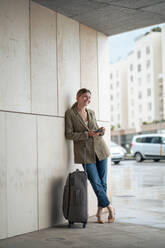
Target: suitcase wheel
{"type": "Point", "coordinates": [84, 224]}
{"type": "Point", "coordinates": [70, 224]}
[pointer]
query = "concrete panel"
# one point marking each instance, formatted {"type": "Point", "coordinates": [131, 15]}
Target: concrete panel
{"type": "Point", "coordinates": [3, 177]}
{"type": "Point", "coordinates": [54, 163]}
{"type": "Point", "coordinates": [14, 55]}
{"type": "Point", "coordinates": [88, 48]}
{"type": "Point", "coordinates": [68, 61]}
{"type": "Point", "coordinates": [103, 78]}
{"type": "Point", "coordinates": [43, 60]}
{"type": "Point", "coordinates": [21, 173]}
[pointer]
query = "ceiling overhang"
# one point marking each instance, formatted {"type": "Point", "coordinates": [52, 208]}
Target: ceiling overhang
{"type": "Point", "coordinates": [110, 16]}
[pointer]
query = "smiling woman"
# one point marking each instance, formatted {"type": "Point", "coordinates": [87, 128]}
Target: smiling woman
{"type": "Point", "coordinates": [81, 127]}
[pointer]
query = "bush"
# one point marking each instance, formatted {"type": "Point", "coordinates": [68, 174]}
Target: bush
{"type": "Point", "coordinates": [144, 123]}
{"type": "Point", "coordinates": [112, 127]}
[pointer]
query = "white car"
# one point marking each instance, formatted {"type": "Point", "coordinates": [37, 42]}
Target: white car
{"type": "Point", "coordinates": [117, 153]}
{"type": "Point", "coordinates": [148, 146]}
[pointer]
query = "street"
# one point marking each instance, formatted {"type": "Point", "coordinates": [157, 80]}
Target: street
{"type": "Point", "coordinates": [138, 192]}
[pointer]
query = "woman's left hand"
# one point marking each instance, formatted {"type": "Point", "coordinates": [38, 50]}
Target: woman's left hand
{"type": "Point", "coordinates": [102, 130]}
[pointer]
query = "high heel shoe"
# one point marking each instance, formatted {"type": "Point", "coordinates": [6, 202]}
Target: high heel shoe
{"type": "Point", "coordinates": [111, 216]}
{"type": "Point", "coordinates": [99, 220]}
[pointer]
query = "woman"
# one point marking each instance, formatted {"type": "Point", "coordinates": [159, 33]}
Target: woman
{"type": "Point", "coordinates": [81, 126]}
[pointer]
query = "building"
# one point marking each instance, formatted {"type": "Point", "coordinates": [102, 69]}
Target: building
{"type": "Point", "coordinates": [136, 84]}
{"type": "Point", "coordinates": [118, 94]}
{"type": "Point", "coordinates": [144, 82]}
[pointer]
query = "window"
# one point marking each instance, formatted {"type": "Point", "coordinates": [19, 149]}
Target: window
{"type": "Point", "coordinates": [111, 97]}
{"type": "Point", "coordinates": [117, 73]}
{"type": "Point", "coordinates": [161, 108]}
{"type": "Point", "coordinates": [140, 95]}
{"type": "Point", "coordinates": [117, 83]}
{"type": "Point", "coordinates": [139, 68]}
{"type": "Point", "coordinates": [161, 101]}
{"type": "Point", "coordinates": [160, 93]}
{"type": "Point", "coordinates": [146, 139]}
{"type": "Point", "coordinates": [140, 108]}
{"type": "Point", "coordinates": [111, 86]}
{"type": "Point", "coordinates": [156, 140]}
{"type": "Point", "coordinates": [111, 108]}
{"type": "Point", "coordinates": [149, 118]}
{"type": "Point", "coordinates": [132, 102]}
{"type": "Point", "coordinates": [139, 140]}
{"type": "Point", "coordinates": [163, 140]}
{"type": "Point", "coordinates": [131, 78]}
{"type": "Point", "coordinates": [139, 54]}
{"type": "Point", "coordinates": [118, 117]}
{"type": "Point", "coordinates": [139, 81]}
{"type": "Point", "coordinates": [131, 90]}
{"type": "Point", "coordinates": [151, 139]}
{"type": "Point", "coordinates": [132, 113]}
{"type": "Point", "coordinates": [131, 67]}
{"type": "Point", "coordinates": [147, 50]}
{"type": "Point", "coordinates": [148, 78]}
{"type": "Point", "coordinates": [148, 92]}
{"type": "Point", "coordinates": [148, 63]}
{"type": "Point", "coordinates": [149, 105]}
{"type": "Point", "coordinates": [111, 76]}
{"type": "Point", "coordinates": [140, 121]}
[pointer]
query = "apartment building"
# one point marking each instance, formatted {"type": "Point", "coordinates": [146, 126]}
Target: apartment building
{"type": "Point", "coordinates": [145, 81]}
{"type": "Point", "coordinates": [118, 94]}
{"type": "Point", "coordinates": [136, 84]}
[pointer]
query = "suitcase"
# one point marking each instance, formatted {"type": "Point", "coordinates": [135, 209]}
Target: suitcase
{"type": "Point", "coordinates": [75, 202]}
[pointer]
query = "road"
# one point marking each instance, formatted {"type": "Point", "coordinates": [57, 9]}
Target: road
{"type": "Point", "coordinates": [138, 192]}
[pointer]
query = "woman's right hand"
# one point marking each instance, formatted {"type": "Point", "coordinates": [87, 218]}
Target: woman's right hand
{"type": "Point", "coordinates": [92, 133]}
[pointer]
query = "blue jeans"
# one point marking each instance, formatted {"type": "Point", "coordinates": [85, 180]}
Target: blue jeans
{"type": "Point", "coordinates": [97, 175]}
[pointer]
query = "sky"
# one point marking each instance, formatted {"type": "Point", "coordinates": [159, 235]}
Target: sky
{"type": "Point", "coordinates": [121, 44]}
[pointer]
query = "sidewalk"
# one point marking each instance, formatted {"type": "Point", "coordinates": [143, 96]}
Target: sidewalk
{"type": "Point", "coordinates": [116, 235]}
{"type": "Point", "coordinates": [139, 200]}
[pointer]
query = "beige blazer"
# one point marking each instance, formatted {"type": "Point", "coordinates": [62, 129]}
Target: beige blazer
{"type": "Point", "coordinates": [77, 130]}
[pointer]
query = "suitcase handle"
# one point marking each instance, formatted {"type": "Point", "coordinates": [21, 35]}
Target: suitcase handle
{"type": "Point", "coordinates": [85, 157]}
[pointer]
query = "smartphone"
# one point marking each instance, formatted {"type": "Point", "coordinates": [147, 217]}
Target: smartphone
{"type": "Point", "coordinates": [99, 130]}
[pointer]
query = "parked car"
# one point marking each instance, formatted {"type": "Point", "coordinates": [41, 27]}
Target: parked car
{"type": "Point", "coordinates": [148, 146]}
{"type": "Point", "coordinates": [117, 153]}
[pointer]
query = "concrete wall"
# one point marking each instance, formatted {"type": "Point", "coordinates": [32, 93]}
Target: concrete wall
{"type": "Point", "coordinates": [45, 58]}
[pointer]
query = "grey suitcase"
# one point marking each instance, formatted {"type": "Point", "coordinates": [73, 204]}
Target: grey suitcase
{"type": "Point", "coordinates": [75, 205]}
